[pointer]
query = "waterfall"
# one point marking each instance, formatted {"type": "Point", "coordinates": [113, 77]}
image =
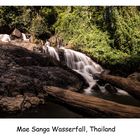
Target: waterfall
{"type": "Point", "coordinates": [5, 38]}
{"type": "Point", "coordinates": [52, 52]}
{"type": "Point", "coordinates": [25, 38]}
{"type": "Point", "coordinates": [90, 70]}
{"type": "Point", "coordinates": [79, 62]}
{"type": "Point", "coordinates": [84, 65]}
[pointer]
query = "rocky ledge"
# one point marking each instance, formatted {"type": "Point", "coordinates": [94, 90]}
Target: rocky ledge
{"type": "Point", "coordinates": [19, 103]}
{"type": "Point", "coordinates": [24, 73]}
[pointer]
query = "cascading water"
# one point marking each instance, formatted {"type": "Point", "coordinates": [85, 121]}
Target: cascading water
{"type": "Point", "coordinates": [25, 38]}
{"type": "Point", "coordinates": [52, 52]}
{"type": "Point", "coordinates": [5, 38]}
{"type": "Point", "coordinates": [90, 70]}
{"type": "Point", "coordinates": [79, 62]}
{"type": "Point", "coordinates": [82, 64]}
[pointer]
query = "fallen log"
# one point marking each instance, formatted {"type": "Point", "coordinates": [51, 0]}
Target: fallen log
{"type": "Point", "coordinates": [93, 106]}
{"type": "Point", "coordinates": [129, 85]}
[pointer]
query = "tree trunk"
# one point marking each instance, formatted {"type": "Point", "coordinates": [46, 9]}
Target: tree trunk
{"type": "Point", "coordinates": [129, 85]}
{"type": "Point", "coordinates": [93, 106]}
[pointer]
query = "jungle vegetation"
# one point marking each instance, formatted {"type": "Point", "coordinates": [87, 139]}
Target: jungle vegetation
{"type": "Point", "coordinates": [110, 35]}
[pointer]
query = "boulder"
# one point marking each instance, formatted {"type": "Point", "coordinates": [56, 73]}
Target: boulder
{"type": "Point", "coordinates": [16, 33]}
{"type": "Point", "coordinates": [25, 73]}
{"type": "Point", "coordinates": [96, 88]}
{"type": "Point", "coordinates": [28, 71]}
{"type": "Point", "coordinates": [19, 103]}
{"type": "Point", "coordinates": [110, 89]}
{"type": "Point", "coordinates": [55, 41]}
{"type": "Point", "coordinates": [11, 104]}
{"type": "Point", "coordinates": [101, 82]}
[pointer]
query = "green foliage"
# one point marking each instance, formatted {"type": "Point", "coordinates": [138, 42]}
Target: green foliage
{"type": "Point", "coordinates": [34, 20]}
{"type": "Point", "coordinates": [38, 26]}
{"type": "Point", "coordinates": [76, 28]}
{"type": "Point", "coordinates": [110, 35]}
{"type": "Point", "coordinates": [127, 29]}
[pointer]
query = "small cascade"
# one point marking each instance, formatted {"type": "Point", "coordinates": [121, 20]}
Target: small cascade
{"type": "Point", "coordinates": [52, 52]}
{"type": "Point", "coordinates": [5, 38]}
{"type": "Point", "coordinates": [90, 70]}
{"type": "Point", "coordinates": [84, 65]}
{"type": "Point", "coordinates": [25, 38]}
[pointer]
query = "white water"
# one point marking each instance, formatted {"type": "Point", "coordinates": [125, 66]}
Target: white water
{"type": "Point", "coordinates": [5, 38]}
{"type": "Point", "coordinates": [79, 62]}
{"type": "Point", "coordinates": [25, 38]}
{"type": "Point", "coordinates": [83, 65]}
{"type": "Point", "coordinates": [52, 52]}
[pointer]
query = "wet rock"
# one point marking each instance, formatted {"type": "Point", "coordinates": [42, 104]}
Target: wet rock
{"type": "Point", "coordinates": [96, 87]}
{"type": "Point", "coordinates": [61, 55]}
{"type": "Point", "coordinates": [110, 88]}
{"type": "Point", "coordinates": [101, 82]}
{"type": "Point", "coordinates": [95, 76]}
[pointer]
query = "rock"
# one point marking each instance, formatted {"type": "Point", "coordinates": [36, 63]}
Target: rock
{"type": "Point", "coordinates": [11, 104]}
{"type": "Point", "coordinates": [33, 100]}
{"type": "Point", "coordinates": [101, 82]}
{"type": "Point", "coordinates": [134, 76]}
{"type": "Point", "coordinates": [27, 105]}
{"type": "Point", "coordinates": [28, 45]}
{"type": "Point", "coordinates": [110, 88]}
{"type": "Point", "coordinates": [19, 103]}
{"type": "Point", "coordinates": [96, 87]}
{"type": "Point", "coordinates": [24, 73]}
{"type": "Point", "coordinates": [61, 55]}
{"type": "Point", "coordinates": [55, 41]}
{"type": "Point", "coordinates": [16, 33]}
{"type": "Point", "coordinates": [28, 94]}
